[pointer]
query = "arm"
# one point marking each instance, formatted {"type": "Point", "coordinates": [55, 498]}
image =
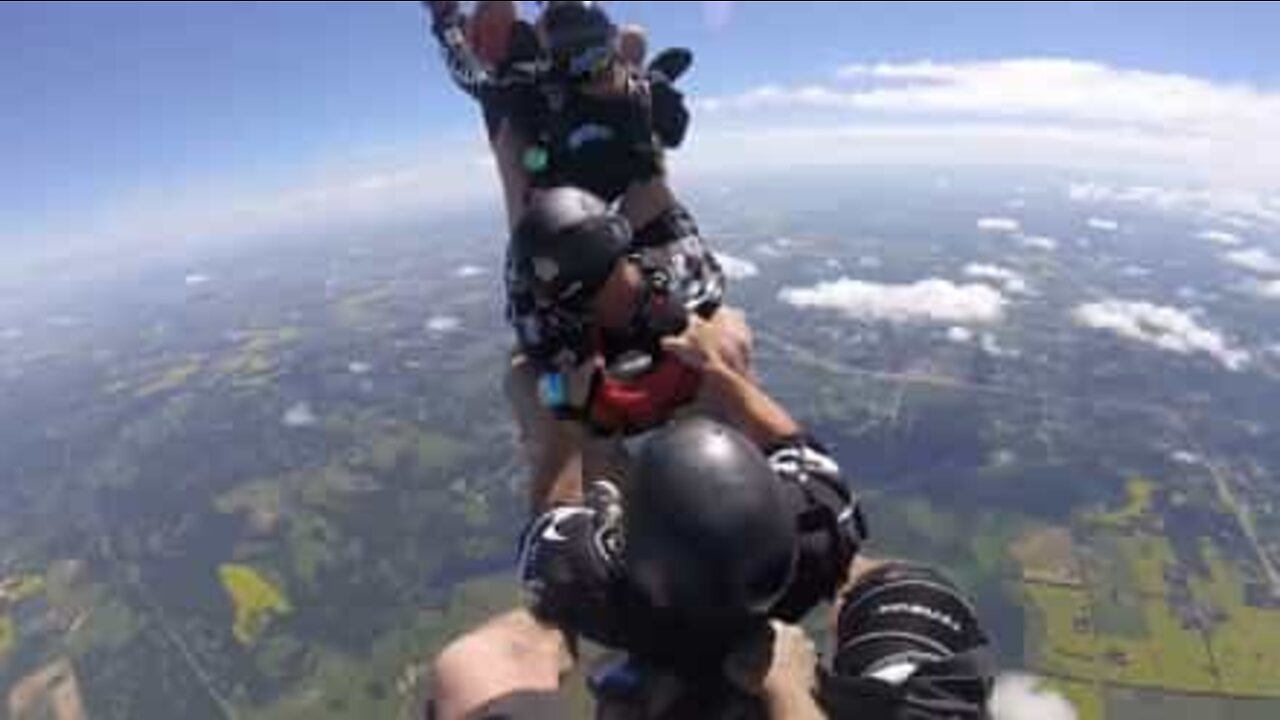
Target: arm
{"type": "Point", "coordinates": [465, 67]}
{"type": "Point", "coordinates": [731, 394]}
{"type": "Point", "coordinates": [554, 447]}
{"type": "Point", "coordinates": [507, 96]}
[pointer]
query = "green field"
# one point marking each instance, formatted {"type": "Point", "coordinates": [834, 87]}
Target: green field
{"type": "Point", "coordinates": [388, 683]}
{"type": "Point", "coordinates": [1140, 705]}
{"type": "Point", "coordinates": [1247, 644]}
{"type": "Point", "coordinates": [8, 636]}
{"type": "Point", "coordinates": [1129, 627]}
{"type": "Point", "coordinates": [1061, 641]}
{"type": "Point", "coordinates": [255, 599]}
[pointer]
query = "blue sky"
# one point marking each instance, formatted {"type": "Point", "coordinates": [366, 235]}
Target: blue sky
{"type": "Point", "coordinates": [117, 113]}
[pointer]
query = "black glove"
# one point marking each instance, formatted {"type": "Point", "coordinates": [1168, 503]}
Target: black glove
{"type": "Point", "coordinates": [670, 114]}
{"type": "Point", "coordinates": [830, 522]}
{"type": "Point", "coordinates": [443, 12]}
{"type": "Point", "coordinates": [569, 567]}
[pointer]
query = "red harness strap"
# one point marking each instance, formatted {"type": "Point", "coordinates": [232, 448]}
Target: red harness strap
{"type": "Point", "coordinates": [635, 406]}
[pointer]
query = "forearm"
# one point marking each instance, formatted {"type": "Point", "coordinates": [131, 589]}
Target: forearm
{"type": "Point", "coordinates": [743, 404]}
{"type": "Point", "coordinates": [646, 201]}
{"type": "Point", "coordinates": [553, 449]}
{"type": "Point", "coordinates": [792, 703]}
{"type": "Point", "coordinates": [558, 469]}
{"type": "Point", "coordinates": [464, 66]}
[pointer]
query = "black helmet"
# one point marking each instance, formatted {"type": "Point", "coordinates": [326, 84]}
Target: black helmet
{"type": "Point", "coordinates": [562, 252]}
{"type": "Point", "coordinates": [579, 37]}
{"type": "Point", "coordinates": [707, 536]}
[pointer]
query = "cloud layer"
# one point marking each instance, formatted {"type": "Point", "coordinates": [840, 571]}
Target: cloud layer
{"type": "Point", "coordinates": [927, 301]}
{"type": "Point", "coordinates": [1068, 112]}
{"type": "Point", "coordinates": [1164, 328]}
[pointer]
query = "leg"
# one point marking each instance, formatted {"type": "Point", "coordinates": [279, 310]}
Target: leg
{"type": "Point", "coordinates": [509, 655]}
{"type": "Point", "coordinates": [508, 147]}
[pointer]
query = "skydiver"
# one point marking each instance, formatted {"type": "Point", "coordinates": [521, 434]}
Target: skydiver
{"type": "Point", "coordinates": [598, 324]}
{"type": "Point", "coordinates": [693, 568]}
{"type": "Point", "coordinates": [806, 485]}
{"type": "Point", "coordinates": [567, 102]}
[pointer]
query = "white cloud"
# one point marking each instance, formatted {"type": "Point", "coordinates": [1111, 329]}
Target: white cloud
{"type": "Point", "coordinates": [1224, 205]}
{"type": "Point", "coordinates": [1013, 282]}
{"type": "Point", "coordinates": [991, 346]}
{"type": "Point", "coordinates": [1103, 225]}
{"type": "Point", "coordinates": [1220, 237]}
{"type": "Point", "coordinates": [960, 335]}
{"type": "Point", "coordinates": [1136, 272]}
{"type": "Point", "coordinates": [299, 416]}
{"type": "Point", "coordinates": [1238, 223]}
{"type": "Point", "coordinates": [1158, 122]}
{"type": "Point", "coordinates": [1022, 697]}
{"type": "Point", "coordinates": [1164, 328]}
{"type": "Point", "coordinates": [1269, 290]}
{"type": "Point", "coordinates": [1186, 457]}
{"type": "Point", "coordinates": [932, 300]}
{"type": "Point", "coordinates": [443, 325]}
{"type": "Point", "coordinates": [359, 368]}
{"type": "Point", "coordinates": [870, 262]}
{"type": "Point", "coordinates": [195, 280]}
{"type": "Point", "coordinates": [469, 271]}
{"type": "Point", "coordinates": [1038, 242]}
{"type": "Point", "coordinates": [1256, 260]}
{"type": "Point", "coordinates": [775, 249]}
{"type": "Point", "coordinates": [736, 268]}
{"type": "Point", "coordinates": [999, 225]}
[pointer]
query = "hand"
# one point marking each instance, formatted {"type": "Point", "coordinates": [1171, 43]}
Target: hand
{"type": "Point", "coordinates": [781, 661]}
{"type": "Point", "coordinates": [709, 345]}
{"type": "Point", "coordinates": [442, 10]}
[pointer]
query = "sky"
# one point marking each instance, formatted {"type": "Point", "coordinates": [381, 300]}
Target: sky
{"type": "Point", "coordinates": [128, 124]}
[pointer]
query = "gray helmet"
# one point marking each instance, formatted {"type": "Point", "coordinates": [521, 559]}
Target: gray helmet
{"type": "Point", "coordinates": [562, 252]}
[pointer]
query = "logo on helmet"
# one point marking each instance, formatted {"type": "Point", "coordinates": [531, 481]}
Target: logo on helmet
{"type": "Point", "coordinates": [546, 270]}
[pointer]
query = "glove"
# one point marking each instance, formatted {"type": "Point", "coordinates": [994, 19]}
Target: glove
{"type": "Point", "coordinates": [570, 569]}
{"type": "Point", "coordinates": [669, 112]}
{"type": "Point", "coordinates": [444, 14]}
{"type": "Point", "coordinates": [829, 519]}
